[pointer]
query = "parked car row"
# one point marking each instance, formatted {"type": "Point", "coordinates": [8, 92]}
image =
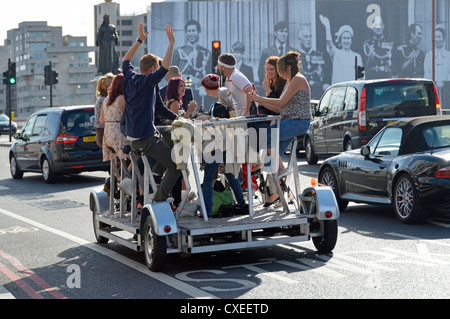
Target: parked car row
{"type": "Point", "coordinates": [56, 141]}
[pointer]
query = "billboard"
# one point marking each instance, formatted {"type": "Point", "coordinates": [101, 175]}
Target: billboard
{"type": "Point", "coordinates": [389, 38]}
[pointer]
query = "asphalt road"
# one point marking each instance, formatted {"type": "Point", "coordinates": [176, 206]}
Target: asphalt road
{"type": "Point", "coordinates": [48, 251]}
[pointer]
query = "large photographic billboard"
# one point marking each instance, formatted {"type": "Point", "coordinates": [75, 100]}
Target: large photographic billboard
{"type": "Point", "coordinates": [389, 38]}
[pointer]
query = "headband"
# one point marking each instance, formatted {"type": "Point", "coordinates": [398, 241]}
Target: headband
{"type": "Point", "coordinates": [228, 66]}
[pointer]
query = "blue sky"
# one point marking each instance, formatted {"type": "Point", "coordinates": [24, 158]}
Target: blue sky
{"type": "Point", "coordinates": [76, 17]}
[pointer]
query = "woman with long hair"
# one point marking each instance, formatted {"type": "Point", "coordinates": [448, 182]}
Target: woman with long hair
{"type": "Point", "coordinates": [111, 114]}
{"type": "Point", "coordinates": [103, 86]}
{"type": "Point", "coordinates": [273, 83]}
{"type": "Point", "coordinates": [294, 105]}
{"type": "Point", "coordinates": [174, 97]}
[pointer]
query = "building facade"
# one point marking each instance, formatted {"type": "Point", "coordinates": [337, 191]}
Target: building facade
{"type": "Point", "coordinates": [32, 46]}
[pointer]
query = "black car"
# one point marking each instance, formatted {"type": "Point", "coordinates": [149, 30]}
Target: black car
{"type": "Point", "coordinates": [4, 125]}
{"type": "Point", "coordinates": [406, 165]}
{"type": "Point", "coordinates": [350, 113]}
{"type": "Point", "coordinates": [54, 141]}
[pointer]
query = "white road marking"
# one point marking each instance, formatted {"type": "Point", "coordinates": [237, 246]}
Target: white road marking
{"type": "Point", "coordinates": [168, 280]}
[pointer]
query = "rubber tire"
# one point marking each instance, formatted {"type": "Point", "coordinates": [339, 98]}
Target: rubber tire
{"type": "Point", "coordinates": [348, 145]}
{"type": "Point", "coordinates": [16, 172]}
{"type": "Point", "coordinates": [333, 185]}
{"type": "Point", "coordinates": [415, 213]}
{"type": "Point", "coordinates": [155, 247]}
{"type": "Point", "coordinates": [97, 224]}
{"type": "Point", "coordinates": [49, 177]}
{"type": "Point", "coordinates": [327, 242]}
{"type": "Point", "coordinates": [311, 157]}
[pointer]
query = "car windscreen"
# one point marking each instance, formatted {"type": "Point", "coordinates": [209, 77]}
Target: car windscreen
{"type": "Point", "coordinates": [401, 99]}
{"type": "Point", "coordinates": [78, 122]}
{"type": "Point", "coordinates": [3, 118]}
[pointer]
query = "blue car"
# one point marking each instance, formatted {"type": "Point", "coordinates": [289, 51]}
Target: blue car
{"type": "Point", "coordinates": [4, 125]}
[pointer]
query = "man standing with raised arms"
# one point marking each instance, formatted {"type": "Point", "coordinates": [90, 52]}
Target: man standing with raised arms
{"type": "Point", "coordinates": [140, 94]}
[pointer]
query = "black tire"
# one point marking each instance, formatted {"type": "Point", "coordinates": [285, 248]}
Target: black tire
{"type": "Point", "coordinates": [16, 172]}
{"type": "Point", "coordinates": [327, 242]}
{"type": "Point", "coordinates": [328, 177]}
{"type": "Point", "coordinates": [47, 172]}
{"type": "Point", "coordinates": [406, 201]}
{"type": "Point", "coordinates": [155, 247]}
{"type": "Point", "coordinates": [348, 145]}
{"type": "Point", "coordinates": [311, 157]}
{"type": "Point", "coordinates": [98, 225]}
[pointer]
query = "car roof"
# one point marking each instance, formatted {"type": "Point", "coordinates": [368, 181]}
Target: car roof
{"type": "Point", "coordinates": [364, 82]}
{"type": "Point", "coordinates": [64, 108]}
{"type": "Point", "coordinates": [412, 139]}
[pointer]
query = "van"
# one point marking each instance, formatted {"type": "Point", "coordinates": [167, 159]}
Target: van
{"type": "Point", "coordinates": [349, 114]}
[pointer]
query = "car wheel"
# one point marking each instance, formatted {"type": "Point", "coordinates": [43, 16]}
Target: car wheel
{"type": "Point", "coordinates": [328, 178]}
{"type": "Point", "coordinates": [16, 172]}
{"type": "Point", "coordinates": [47, 173]}
{"type": "Point", "coordinates": [407, 206]}
{"type": "Point", "coordinates": [311, 157]}
{"type": "Point", "coordinates": [348, 145]}
{"type": "Point", "coordinates": [155, 247]}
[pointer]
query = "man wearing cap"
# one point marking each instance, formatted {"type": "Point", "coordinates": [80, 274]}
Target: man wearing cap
{"type": "Point", "coordinates": [237, 84]}
{"type": "Point", "coordinates": [211, 84]}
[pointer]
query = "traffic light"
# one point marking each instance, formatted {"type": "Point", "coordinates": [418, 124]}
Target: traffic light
{"type": "Point", "coordinates": [54, 79]}
{"type": "Point", "coordinates": [12, 73]}
{"type": "Point", "coordinates": [360, 72]}
{"type": "Point", "coordinates": [6, 77]}
{"type": "Point", "coordinates": [215, 55]}
{"type": "Point", "coordinates": [47, 75]}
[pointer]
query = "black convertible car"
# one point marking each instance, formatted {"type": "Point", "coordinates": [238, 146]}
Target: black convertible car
{"type": "Point", "coordinates": [406, 165]}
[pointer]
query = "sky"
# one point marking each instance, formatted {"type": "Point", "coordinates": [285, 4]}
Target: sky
{"type": "Point", "coordinates": [76, 17]}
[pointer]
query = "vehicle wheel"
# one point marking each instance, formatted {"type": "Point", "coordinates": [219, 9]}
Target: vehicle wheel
{"type": "Point", "coordinates": [155, 247]}
{"type": "Point", "coordinates": [407, 206]}
{"type": "Point", "coordinates": [348, 145]}
{"type": "Point", "coordinates": [16, 172]}
{"type": "Point", "coordinates": [311, 158]}
{"type": "Point", "coordinates": [47, 174]}
{"type": "Point", "coordinates": [98, 225]}
{"type": "Point", "coordinates": [327, 242]}
{"type": "Point", "coordinates": [328, 178]}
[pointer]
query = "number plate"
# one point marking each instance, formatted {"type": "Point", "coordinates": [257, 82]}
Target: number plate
{"type": "Point", "coordinates": [89, 138]}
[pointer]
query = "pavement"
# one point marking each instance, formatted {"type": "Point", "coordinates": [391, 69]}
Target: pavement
{"type": "Point", "coordinates": [4, 141]}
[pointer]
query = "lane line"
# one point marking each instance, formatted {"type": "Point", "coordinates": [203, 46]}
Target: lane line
{"type": "Point", "coordinates": [19, 282]}
{"type": "Point", "coordinates": [38, 280]}
{"type": "Point", "coordinates": [168, 280]}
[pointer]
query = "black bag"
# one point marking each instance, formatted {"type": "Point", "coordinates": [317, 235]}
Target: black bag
{"type": "Point", "coordinates": [220, 111]}
{"type": "Point", "coordinates": [229, 210]}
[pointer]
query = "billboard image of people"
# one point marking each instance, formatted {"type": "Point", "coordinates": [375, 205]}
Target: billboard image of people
{"type": "Point", "coordinates": [388, 38]}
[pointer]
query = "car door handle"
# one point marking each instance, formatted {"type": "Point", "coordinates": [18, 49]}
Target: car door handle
{"type": "Point", "coordinates": [382, 166]}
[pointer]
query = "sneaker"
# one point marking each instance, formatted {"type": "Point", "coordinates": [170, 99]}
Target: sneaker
{"type": "Point", "coordinates": [126, 186]}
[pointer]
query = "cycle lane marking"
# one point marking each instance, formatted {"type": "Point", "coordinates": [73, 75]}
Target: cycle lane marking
{"type": "Point", "coordinates": [165, 279]}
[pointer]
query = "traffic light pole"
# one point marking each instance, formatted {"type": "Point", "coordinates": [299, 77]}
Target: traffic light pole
{"type": "Point", "coordinates": [51, 87]}
{"type": "Point", "coordinates": [9, 100]}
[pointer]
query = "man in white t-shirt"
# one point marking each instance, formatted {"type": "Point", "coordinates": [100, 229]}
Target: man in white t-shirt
{"type": "Point", "coordinates": [237, 84]}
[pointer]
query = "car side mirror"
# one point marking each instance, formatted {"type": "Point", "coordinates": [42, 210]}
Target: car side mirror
{"type": "Point", "coordinates": [16, 136]}
{"type": "Point", "coordinates": [365, 150]}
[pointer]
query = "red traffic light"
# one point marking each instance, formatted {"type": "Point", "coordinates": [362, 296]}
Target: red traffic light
{"type": "Point", "coordinates": [216, 44]}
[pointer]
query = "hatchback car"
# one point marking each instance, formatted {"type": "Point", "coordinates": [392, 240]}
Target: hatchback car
{"type": "Point", "coordinates": [349, 114]}
{"type": "Point", "coordinates": [4, 125]}
{"type": "Point", "coordinates": [57, 141]}
{"type": "Point", "coordinates": [406, 165]}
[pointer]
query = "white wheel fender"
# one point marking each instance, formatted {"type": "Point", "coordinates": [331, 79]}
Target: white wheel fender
{"type": "Point", "coordinates": [100, 199]}
{"type": "Point", "coordinates": [326, 205]}
{"type": "Point", "coordinates": [162, 217]}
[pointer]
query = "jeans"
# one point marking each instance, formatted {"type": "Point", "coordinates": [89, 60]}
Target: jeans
{"type": "Point", "coordinates": [289, 129]}
{"type": "Point", "coordinates": [154, 146]}
{"type": "Point", "coordinates": [207, 186]}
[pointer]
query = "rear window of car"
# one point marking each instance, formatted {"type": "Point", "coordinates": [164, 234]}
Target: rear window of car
{"type": "Point", "coordinates": [437, 137]}
{"type": "Point", "coordinates": [79, 122]}
{"type": "Point", "coordinates": [399, 99]}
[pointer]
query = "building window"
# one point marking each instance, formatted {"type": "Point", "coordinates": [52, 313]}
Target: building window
{"type": "Point", "coordinates": [127, 43]}
{"type": "Point", "coordinates": [127, 33]}
{"type": "Point", "coordinates": [127, 22]}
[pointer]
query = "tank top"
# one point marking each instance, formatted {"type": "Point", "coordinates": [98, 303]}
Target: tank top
{"type": "Point", "coordinates": [299, 107]}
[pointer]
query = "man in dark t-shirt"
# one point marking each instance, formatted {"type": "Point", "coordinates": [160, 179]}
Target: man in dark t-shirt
{"type": "Point", "coordinates": [140, 93]}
